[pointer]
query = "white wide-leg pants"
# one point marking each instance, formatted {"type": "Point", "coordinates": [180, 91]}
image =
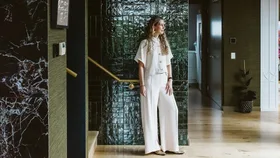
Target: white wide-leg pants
{"type": "Point", "coordinates": [156, 97]}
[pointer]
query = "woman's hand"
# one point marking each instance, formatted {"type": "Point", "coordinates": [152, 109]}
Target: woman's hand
{"type": "Point", "coordinates": [168, 88]}
{"type": "Point", "coordinates": [143, 90]}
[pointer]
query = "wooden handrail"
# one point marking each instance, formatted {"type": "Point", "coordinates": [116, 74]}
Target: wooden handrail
{"type": "Point", "coordinates": [70, 72]}
{"type": "Point", "coordinates": [131, 86]}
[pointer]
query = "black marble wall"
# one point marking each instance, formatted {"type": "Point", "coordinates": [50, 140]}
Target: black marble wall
{"type": "Point", "coordinates": [122, 25]}
{"type": "Point", "coordinates": [23, 79]}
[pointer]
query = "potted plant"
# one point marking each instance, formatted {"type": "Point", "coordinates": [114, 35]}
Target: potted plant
{"type": "Point", "coordinates": [245, 94]}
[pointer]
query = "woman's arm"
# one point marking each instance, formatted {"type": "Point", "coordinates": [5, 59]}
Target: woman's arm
{"type": "Point", "coordinates": [141, 78]}
{"type": "Point", "coordinates": [168, 88]}
{"type": "Point", "coordinates": [169, 71]}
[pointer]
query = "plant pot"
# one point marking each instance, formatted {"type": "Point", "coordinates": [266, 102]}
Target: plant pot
{"type": "Point", "coordinates": [246, 106]}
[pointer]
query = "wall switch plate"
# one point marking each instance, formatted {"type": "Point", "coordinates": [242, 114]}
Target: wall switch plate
{"type": "Point", "coordinates": [62, 48]}
{"type": "Point", "coordinates": [232, 55]}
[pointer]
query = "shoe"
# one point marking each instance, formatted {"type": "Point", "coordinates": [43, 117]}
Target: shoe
{"type": "Point", "coordinates": [159, 152]}
{"type": "Point", "coordinates": [176, 152]}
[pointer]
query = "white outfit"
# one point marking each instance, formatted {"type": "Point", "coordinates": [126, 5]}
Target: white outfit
{"type": "Point", "coordinates": [155, 80]}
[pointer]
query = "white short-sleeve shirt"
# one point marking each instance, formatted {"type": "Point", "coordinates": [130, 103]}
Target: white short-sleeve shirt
{"type": "Point", "coordinates": [155, 62]}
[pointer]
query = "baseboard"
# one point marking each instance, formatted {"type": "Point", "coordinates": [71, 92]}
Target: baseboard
{"type": "Point", "coordinates": [233, 108]}
{"type": "Point", "coordinates": [92, 143]}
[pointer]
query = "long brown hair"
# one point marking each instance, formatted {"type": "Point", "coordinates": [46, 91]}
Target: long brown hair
{"type": "Point", "coordinates": [162, 38]}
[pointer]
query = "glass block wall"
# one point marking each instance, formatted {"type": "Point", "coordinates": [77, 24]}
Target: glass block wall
{"type": "Point", "coordinates": [122, 25]}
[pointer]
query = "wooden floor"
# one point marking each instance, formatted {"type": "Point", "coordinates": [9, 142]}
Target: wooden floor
{"type": "Point", "coordinates": [217, 134]}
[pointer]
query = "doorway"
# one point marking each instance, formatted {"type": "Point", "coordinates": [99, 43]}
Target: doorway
{"type": "Point", "coordinates": [206, 33]}
{"type": "Point", "coordinates": [195, 53]}
{"type": "Point", "coordinates": [194, 43]}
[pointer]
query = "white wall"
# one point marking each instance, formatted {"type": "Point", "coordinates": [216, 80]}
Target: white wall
{"type": "Point", "coordinates": [269, 54]}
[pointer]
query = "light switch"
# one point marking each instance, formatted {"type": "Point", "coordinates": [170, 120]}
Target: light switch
{"type": "Point", "coordinates": [62, 48]}
{"type": "Point", "coordinates": [233, 55]}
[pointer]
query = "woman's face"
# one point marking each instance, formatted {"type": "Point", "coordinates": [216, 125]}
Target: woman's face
{"type": "Point", "coordinates": [159, 27]}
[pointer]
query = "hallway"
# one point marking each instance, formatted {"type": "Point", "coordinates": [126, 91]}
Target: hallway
{"type": "Point", "coordinates": [217, 134]}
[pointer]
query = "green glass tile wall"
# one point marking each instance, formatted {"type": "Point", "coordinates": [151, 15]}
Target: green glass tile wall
{"type": "Point", "coordinates": [123, 23]}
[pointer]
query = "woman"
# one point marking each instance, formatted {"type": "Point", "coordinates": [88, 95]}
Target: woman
{"type": "Point", "coordinates": [155, 76]}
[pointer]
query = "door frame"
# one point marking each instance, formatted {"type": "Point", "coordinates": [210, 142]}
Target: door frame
{"type": "Point", "coordinates": [198, 50]}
